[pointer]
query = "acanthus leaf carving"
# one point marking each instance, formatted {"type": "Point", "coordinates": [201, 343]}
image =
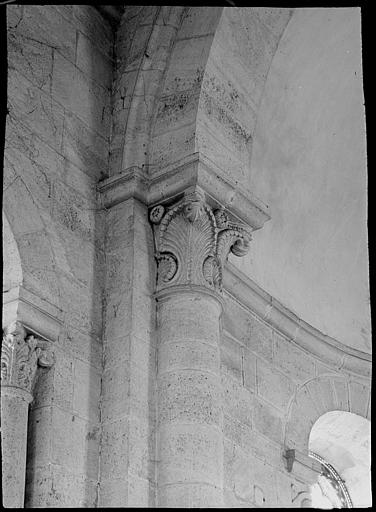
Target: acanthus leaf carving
{"type": "Point", "coordinates": [21, 354]}
{"type": "Point", "coordinates": [193, 241]}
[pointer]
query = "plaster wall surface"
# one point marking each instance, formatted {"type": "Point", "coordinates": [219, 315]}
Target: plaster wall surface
{"type": "Point", "coordinates": [309, 165]}
{"type": "Point", "coordinates": [57, 140]}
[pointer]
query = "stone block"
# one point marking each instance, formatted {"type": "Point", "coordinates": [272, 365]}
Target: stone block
{"type": "Point", "coordinates": [252, 479]}
{"type": "Point", "coordinates": [140, 386]}
{"type": "Point", "coordinates": [36, 178]}
{"type": "Point", "coordinates": [38, 491]}
{"type": "Point", "coordinates": [126, 313]}
{"type": "Point", "coordinates": [140, 493]}
{"type": "Point", "coordinates": [91, 23]}
{"type": "Point", "coordinates": [84, 147]}
{"type": "Point", "coordinates": [193, 354]}
{"type": "Point", "coordinates": [235, 131]}
{"type": "Point", "coordinates": [322, 395]}
{"type": "Point", "coordinates": [76, 92]}
{"type": "Point", "coordinates": [75, 444]}
{"type": "Point", "coordinates": [360, 396]}
{"type": "Point", "coordinates": [62, 380]}
{"type": "Point", "coordinates": [237, 400]}
{"type": "Point", "coordinates": [83, 181]}
{"type": "Point", "coordinates": [267, 421]}
{"type": "Point", "coordinates": [96, 65]}
{"type": "Point", "coordinates": [39, 438]}
{"type": "Point", "coordinates": [283, 489]}
{"type": "Point", "coordinates": [86, 391]}
{"type": "Point", "coordinates": [231, 500]}
{"type": "Point", "coordinates": [200, 21]}
{"type": "Point", "coordinates": [38, 265]}
{"type": "Point", "coordinates": [249, 369]}
{"type": "Point", "coordinates": [115, 447]}
{"type": "Point", "coordinates": [81, 346]}
{"type": "Point", "coordinates": [30, 58]}
{"type": "Point", "coordinates": [172, 146]}
{"type": "Point", "coordinates": [141, 447]}
{"type": "Point", "coordinates": [113, 492]}
{"type": "Point", "coordinates": [232, 358]}
{"type": "Point", "coordinates": [35, 110]}
{"type": "Point", "coordinates": [73, 211]}
{"type": "Point", "coordinates": [189, 318]}
{"type": "Point", "coordinates": [251, 332]}
{"type": "Point", "coordinates": [273, 386]}
{"type": "Point", "coordinates": [138, 47]}
{"type": "Point", "coordinates": [82, 305]}
{"type": "Point", "coordinates": [189, 396]}
{"type": "Point", "coordinates": [190, 495]}
{"type": "Point", "coordinates": [185, 70]}
{"type": "Point", "coordinates": [45, 24]}
{"type": "Point", "coordinates": [293, 361]}
{"type": "Point", "coordinates": [115, 403]}
{"type": "Point", "coordinates": [251, 442]}
{"type": "Point", "coordinates": [71, 490]}
{"type": "Point", "coordinates": [176, 110]}
{"type": "Point", "coordinates": [189, 453]}
{"type": "Point", "coordinates": [79, 256]}
{"type": "Point", "coordinates": [127, 268]}
{"type": "Point", "coordinates": [231, 161]}
{"type": "Point", "coordinates": [14, 15]}
{"type": "Point", "coordinates": [341, 395]}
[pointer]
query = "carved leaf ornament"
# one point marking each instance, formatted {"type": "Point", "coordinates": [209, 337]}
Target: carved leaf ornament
{"type": "Point", "coordinates": [193, 242]}
{"type": "Point", "coordinates": [21, 354]}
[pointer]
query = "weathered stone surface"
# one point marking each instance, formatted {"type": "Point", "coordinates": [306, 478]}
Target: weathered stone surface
{"type": "Point", "coordinates": [267, 421]}
{"type": "Point", "coordinates": [360, 397]}
{"type": "Point", "coordinates": [293, 361]}
{"type": "Point", "coordinates": [251, 332]}
{"type": "Point", "coordinates": [192, 495]}
{"type": "Point", "coordinates": [272, 385]}
{"type": "Point", "coordinates": [232, 358]}
{"type": "Point", "coordinates": [237, 400]}
{"type": "Point", "coordinates": [189, 396]}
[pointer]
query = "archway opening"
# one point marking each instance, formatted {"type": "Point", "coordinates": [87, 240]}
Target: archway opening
{"type": "Point", "coordinates": [340, 441]}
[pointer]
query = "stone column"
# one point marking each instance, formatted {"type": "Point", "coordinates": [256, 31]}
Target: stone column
{"type": "Point", "coordinates": [20, 356]}
{"type": "Point", "coordinates": [192, 244]}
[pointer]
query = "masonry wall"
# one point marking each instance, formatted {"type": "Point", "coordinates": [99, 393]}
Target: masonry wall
{"type": "Point", "coordinates": [93, 421]}
{"type": "Point", "coordinates": [60, 72]}
{"type": "Point", "coordinates": [273, 391]}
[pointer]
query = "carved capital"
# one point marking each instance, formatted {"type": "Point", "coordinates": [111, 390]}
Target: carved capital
{"type": "Point", "coordinates": [193, 242]}
{"type": "Point", "coordinates": [21, 354]}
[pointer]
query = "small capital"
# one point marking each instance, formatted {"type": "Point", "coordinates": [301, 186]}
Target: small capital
{"type": "Point", "coordinates": [21, 354]}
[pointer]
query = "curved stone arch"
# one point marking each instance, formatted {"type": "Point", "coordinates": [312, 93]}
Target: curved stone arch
{"type": "Point", "coordinates": [35, 249]}
{"type": "Point", "coordinates": [317, 396]}
{"type": "Point", "coordinates": [159, 76]}
{"type": "Point", "coordinates": [172, 93]}
{"type": "Point", "coordinates": [148, 53]}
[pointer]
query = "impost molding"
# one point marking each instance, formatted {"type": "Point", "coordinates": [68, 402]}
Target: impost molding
{"type": "Point", "coordinates": [170, 183]}
{"type": "Point", "coordinates": [37, 315]}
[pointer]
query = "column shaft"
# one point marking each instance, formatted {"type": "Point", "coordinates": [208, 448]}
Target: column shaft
{"type": "Point", "coordinates": [190, 438]}
{"type": "Point", "coordinates": [14, 415]}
